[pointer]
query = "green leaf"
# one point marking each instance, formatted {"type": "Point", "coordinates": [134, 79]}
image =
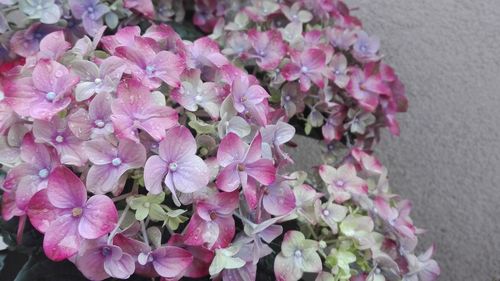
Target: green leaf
{"type": "Point", "coordinates": [186, 30]}
{"type": "Point", "coordinates": [40, 268]}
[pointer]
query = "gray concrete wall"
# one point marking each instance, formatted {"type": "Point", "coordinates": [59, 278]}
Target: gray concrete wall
{"type": "Point", "coordinates": [447, 160]}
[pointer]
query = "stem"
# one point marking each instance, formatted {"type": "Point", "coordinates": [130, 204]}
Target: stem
{"type": "Point", "coordinates": [144, 233]}
{"type": "Point", "coordinates": [312, 231]}
{"type": "Point", "coordinates": [120, 221]}
{"type": "Point", "coordinates": [134, 191]}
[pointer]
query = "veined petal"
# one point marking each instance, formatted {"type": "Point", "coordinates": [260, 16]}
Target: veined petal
{"type": "Point", "coordinates": [65, 190]}
{"type": "Point", "coordinates": [262, 170]}
{"type": "Point", "coordinates": [99, 217]}
{"type": "Point", "coordinates": [154, 174]}
{"type": "Point", "coordinates": [41, 213]}
{"type": "Point", "coordinates": [62, 240]}
{"type": "Point", "coordinates": [170, 261]}
{"type": "Point", "coordinates": [178, 143]}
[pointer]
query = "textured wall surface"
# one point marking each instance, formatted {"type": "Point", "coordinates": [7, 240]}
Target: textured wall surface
{"type": "Point", "coordinates": [447, 160]}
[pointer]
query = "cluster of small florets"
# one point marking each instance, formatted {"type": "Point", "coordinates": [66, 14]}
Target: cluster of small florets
{"type": "Point", "coordinates": [316, 61]}
{"type": "Point", "coordinates": [142, 153]}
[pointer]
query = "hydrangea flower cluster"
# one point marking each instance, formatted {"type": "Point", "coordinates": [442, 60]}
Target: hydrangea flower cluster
{"type": "Point", "coordinates": [317, 61]}
{"type": "Point", "coordinates": [138, 152]}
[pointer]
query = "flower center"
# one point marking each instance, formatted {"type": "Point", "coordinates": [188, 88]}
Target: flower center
{"type": "Point", "coordinates": [337, 72]}
{"type": "Point", "coordinates": [172, 166]}
{"type": "Point", "coordinates": [90, 9]}
{"type": "Point", "coordinates": [198, 98]}
{"type": "Point", "coordinates": [50, 96]}
{"type": "Point", "coordinates": [340, 183]}
{"type": "Point", "coordinates": [98, 81]}
{"type": "Point", "coordinates": [106, 251]}
{"type": "Point", "coordinates": [76, 212]}
{"type": "Point", "coordinates": [262, 53]}
{"type": "Point", "coordinates": [288, 98]}
{"type": "Point", "coordinates": [213, 215]}
{"type": "Point", "coordinates": [377, 270]}
{"type": "Point", "coordinates": [298, 254]}
{"type": "Point", "coordinates": [150, 69]}
{"type": "Point", "coordinates": [363, 48]}
{"type": "Point", "coordinates": [116, 162]}
{"type": "Point", "coordinates": [99, 123]}
{"type": "Point", "coordinates": [43, 173]}
{"type": "Point", "coordinates": [59, 139]}
{"type": "Point", "coordinates": [39, 7]}
{"type": "Point", "coordinates": [304, 69]}
{"type": "Point", "coordinates": [241, 167]}
{"type": "Point", "coordinates": [146, 205]}
{"type": "Point", "coordinates": [326, 213]}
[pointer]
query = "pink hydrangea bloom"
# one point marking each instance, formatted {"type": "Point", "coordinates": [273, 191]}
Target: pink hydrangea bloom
{"type": "Point", "coordinates": [177, 165]}
{"type": "Point", "coordinates": [98, 260]}
{"type": "Point", "coordinates": [193, 92]}
{"type": "Point", "coordinates": [32, 176]}
{"type": "Point", "coordinates": [366, 47]}
{"type": "Point", "coordinates": [64, 214]}
{"type": "Point", "coordinates": [212, 225]}
{"type": "Point", "coordinates": [94, 123]}
{"type": "Point", "coordinates": [150, 66]}
{"type": "Point", "coordinates": [250, 98]}
{"type": "Point", "coordinates": [268, 48]}
{"type": "Point", "coordinates": [366, 88]}
{"type": "Point", "coordinates": [343, 182]}
{"type": "Point", "coordinates": [306, 66]}
{"type": "Point", "coordinates": [166, 261]}
{"type": "Point", "coordinates": [278, 198]}
{"type": "Point", "coordinates": [134, 109]}
{"type": "Point", "coordinates": [57, 134]}
{"type": "Point", "coordinates": [44, 94]}
{"type": "Point", "coordinates": [111, 162]}
{"type": "Point", "coordinates": [27, 42]}
{"type": "Point", "coordinates": [242, 165]}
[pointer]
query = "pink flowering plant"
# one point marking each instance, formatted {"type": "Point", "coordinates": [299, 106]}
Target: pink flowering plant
{"type": "Point", "coordinates": [132, 153]}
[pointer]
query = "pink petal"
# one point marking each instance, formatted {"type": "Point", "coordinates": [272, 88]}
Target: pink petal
{"type": "Point", "coordinates": [227, 230]}
{"type": "Point", "coordinates": [65, 190]}
{"type": "Point", "coordinates": [291, 71]}
{"type": "Point", "coordinates": [46, 73]}
{"type": "Point", "coordinates": [9, 208]}
{"type": "Point", "coordinates": [91, 264]}
{"type": "Point", "coordinates": [279, 200]}
{"type": "Point", "coordinates": [120, 268]}
{"type": "Point", "coordinates": [99, 217]}
{"type": "Point", "coordinates": [168, 67]}
{"type": "Point", "coordinates": [102, 179]}
{"type": "Point", "coordinates": [160, 119]}
{"type": "Point", "coordinates": [41, 213]}
{"type": "Point", "coordinates": [132, 154]}
{"type": "Point", "coordinates": [191, 175]}
{"type": "Point", "coordinates": [262, 170]}
{"type": "Point", "coordinates": [36, 154]}
{"type": "Point", "coordinates": [231, 149]}
{"type": "Point", "coordinates": [254, 152]}
{"type": "Point", "coordinates": [178, 143]}
{"type": "Point", "coordinates": [27, 187]}
{"type": "Point", "coordinates": [154, 174]}
{"type": "Point", "coordinates": [100, 151]}
{"type": "Point", "coordinates": [313, 59]}
{"type": "Point", "coordinates": [170, 261]}
{"type": "Point", "coordinates": [72, 152]}
{"type": "Point", "coordinates": [384, 210]}
{"type": "Point", "coordinates": [228, 179]}
{"type": "Point", "coordinates": [62, 240]}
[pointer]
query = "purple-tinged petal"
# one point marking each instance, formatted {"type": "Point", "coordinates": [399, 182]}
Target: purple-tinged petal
{"type": "Point", "coordinates": [262, 170]}
{"type": "Point", "coordinates": [170, 261]}
{"type": "Point", "coordinates": [231, 149]}
{"type": "Point", "coordinates": [191, 174]}
{"type": "Point", "coordinates": [178, 143]}
{"type": "Point", "coordinates": [100, 151]}
{"type": "Point", "coordinates": [41, 212]}
{"type": "Point", "coordinates": [102, 179]}
{"type": "Point", "coordinates": [91, 263]}
{"type": "Point", "coordinates": [65, 190]}
{"type": "Point", "coordinates": [99, 217]}
{"type": "Point", "coordinates": [279, 199]}
{"type": "Point", "coordinates": [121, 267]}
{"type": "Point", "coordinates": [228, 179]}
{"type": "Point", "coordinates": [132, 154]}
{"type": "Point", "coordinates": [154, 174]}
{"type": "Point", "coordinates": [62, 240]}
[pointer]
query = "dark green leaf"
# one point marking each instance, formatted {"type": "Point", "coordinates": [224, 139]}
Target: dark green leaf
{"type": "Point", "coordinates": [40, 268]}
